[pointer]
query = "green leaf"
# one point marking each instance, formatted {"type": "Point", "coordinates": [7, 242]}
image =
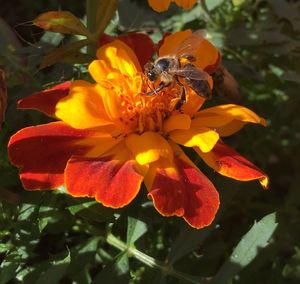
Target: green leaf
{"type": "Point", "coordinates": [135, 230]}
{"type": "Point", "coordinates": [247, 249]}
{"type": "Point", "coordinates": [61, 22]}
{"type": "Point", "coordinates": [61, 54]}
{"type": "Point", "coordinates": [292, 268]}
{"type": "Point", "coordinates": [187, 241]}
{"type": "Point", "coordinates": [55, 272]}
{"type": "Point", "coordinates": [105, 11]}
{"type": "Point", "coordinates": [212, 4]}
{"type": "Point", "coordinates": [92, 210]}
{"type": "Point", "coordinates": [116, 272]}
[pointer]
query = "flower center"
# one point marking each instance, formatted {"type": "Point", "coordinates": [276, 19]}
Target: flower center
{"type": "Point", "coordinates": [141, 112]}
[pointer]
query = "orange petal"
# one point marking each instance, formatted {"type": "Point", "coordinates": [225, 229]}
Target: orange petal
{"type": "Point", "coordinates": [46, 100]}
{"type": "Point", "coordinates": [112, 180]}
{"type": "Point", "coordinates": [172, 41]}
{"type": "Point", "coordinates": [226, 119]}
{"type": "Point", "coordinates": [185, 4]}
{"type": "Point", "coordinates": [177, 121]}
{"type": "Point", "coordinates": [42, 152]}
{"type": "Point", "coordinates": [148, 147]}
{"type": "Point", "coordinates": [180, 189]}
{"type": "Point", "coordinates": [83, 107]}
{"type": "Point", "coordinates": [207, 55]}
{"type": "Point", "coordinates": [114, 56]}
{"type": "Point", "coordinates": [228, 162]}
{"type": "Point", "coordinates": [193, 103]}
{"type": "Point", "coordinates": [203, 137]}
{"type": "Point", "coordinates": [158, 5]}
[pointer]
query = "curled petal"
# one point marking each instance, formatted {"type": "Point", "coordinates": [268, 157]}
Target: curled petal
{"type": "Point", "coordinates": [112, 57]}
{"type": "Point", "coordinates": [180, 189]}
{"type": "Point", "coordinates": [228, 162]}
{"type": "Point", "coordinates": [203, 137]}
{"type": "Point", "coordinates": [112, 180]}
{"type": "Point", "coordinates": [226, 119]}
{"type": "Point", "coordinates": [141, 44]}
{"type": "Point", "coordinates": [46, 100]}
{"type": "Point", "coordinates": [41, 152]}
{"type": "Point", "coordinates": [83, 107]}
{"type": "Point", "coordinates": [148, 147]}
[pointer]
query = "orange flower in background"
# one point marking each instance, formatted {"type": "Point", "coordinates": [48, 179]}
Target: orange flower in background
{"type": "Point", "coordinates": [163, 5]}
{"type": "Point", "coordinates": [111, 137]}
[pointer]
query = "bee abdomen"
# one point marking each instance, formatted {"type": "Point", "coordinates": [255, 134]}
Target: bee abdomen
{"type": "Point", "coordinates": [200, 87]}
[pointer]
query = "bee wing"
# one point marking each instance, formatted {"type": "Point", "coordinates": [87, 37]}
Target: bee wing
{"type": "Point", "coordinates": [190, 45]}
{"type": "Point", "coordinates": [192, 72]}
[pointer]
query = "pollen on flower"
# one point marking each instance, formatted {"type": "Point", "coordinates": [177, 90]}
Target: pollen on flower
{"type": "Point", "coordinates": [140, 112]}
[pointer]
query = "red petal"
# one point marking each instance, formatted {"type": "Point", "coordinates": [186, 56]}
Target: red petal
{"type": "Point", "coordinates": [43, 151]}
{"type": "Point", "coordinates": [228, 162]}
{"type": "Point", "coordinates": [46, 100]}
{"type": "Point", "coordinates": [185, 192]}
{"type": "Point", "coordinates": [141, 44]}
{"type": "Point", "coordinates": [112, 182]}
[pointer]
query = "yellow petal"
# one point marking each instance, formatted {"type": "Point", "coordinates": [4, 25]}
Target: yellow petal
{"type": "Point", "coordinates": [148, 147]}
{"type": "Point", "coordinates": [230, 128]}
{"type": "Point", "coordinates": [234, 111]}
{"type": "Point", "coordinates": [204, 138]}
{"type": "Point", "coordinates": [111, 101]}
{"type": "Point", "coordinates": [114, 56]}
{"type": "Point", "coordinates": [212, 120]}
{"type": "Point", "coordinates": [102, 142]}
{"type": "Point", "coordinates": [226, 119]}
{"type": "Point", "coordinates": [99, 70]}
{"type": "Point", "coordinates": [177, 121]}
{"type": "Point", "coordinates": [83, 107]}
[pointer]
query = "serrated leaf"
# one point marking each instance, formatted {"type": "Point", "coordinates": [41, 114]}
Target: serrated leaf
{"type": "Point", "coordinates": [61, 22]}
{"type": "Point", "coordinates": [135, 229]}
{"type": "Point", "coordinates": [60, 54]}
{"type": "Point", "coordinates": [247, 249]}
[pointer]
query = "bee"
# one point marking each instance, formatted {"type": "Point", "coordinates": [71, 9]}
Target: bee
{"type": "Point", "coordinates": [178, 67]}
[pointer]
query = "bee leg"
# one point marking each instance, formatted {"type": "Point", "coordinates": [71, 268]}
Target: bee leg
{"type": "Point", "coordinates": [189, 57]}
{"type": "Point", "coordinates": [182, 99]}
{"type": "Point", "coordinates": [158, 89]}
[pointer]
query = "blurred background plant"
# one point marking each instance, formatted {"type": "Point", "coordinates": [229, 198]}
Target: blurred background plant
{"type": "Point", "coordinates": [49, 237]}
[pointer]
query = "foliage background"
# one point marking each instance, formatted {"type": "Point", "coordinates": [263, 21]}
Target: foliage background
{"type": "Point", "coordinates": [49, 237]}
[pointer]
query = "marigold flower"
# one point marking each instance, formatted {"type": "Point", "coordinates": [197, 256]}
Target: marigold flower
{"type": "Point", "coordinates": [163, 5]}
{"type": "Point", "coordinates": [111, 137]}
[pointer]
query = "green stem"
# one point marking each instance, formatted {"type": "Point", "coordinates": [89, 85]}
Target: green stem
{"type": "Point", "coordinates": [207, 12]}
{"type": "Point", "coordinates": [91, 22]}
{"type": "Point", "coordinates": [149, 261]}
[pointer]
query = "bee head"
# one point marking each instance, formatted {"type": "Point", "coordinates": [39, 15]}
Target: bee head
{"type": "Point", "coordinates": [151, 72]}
